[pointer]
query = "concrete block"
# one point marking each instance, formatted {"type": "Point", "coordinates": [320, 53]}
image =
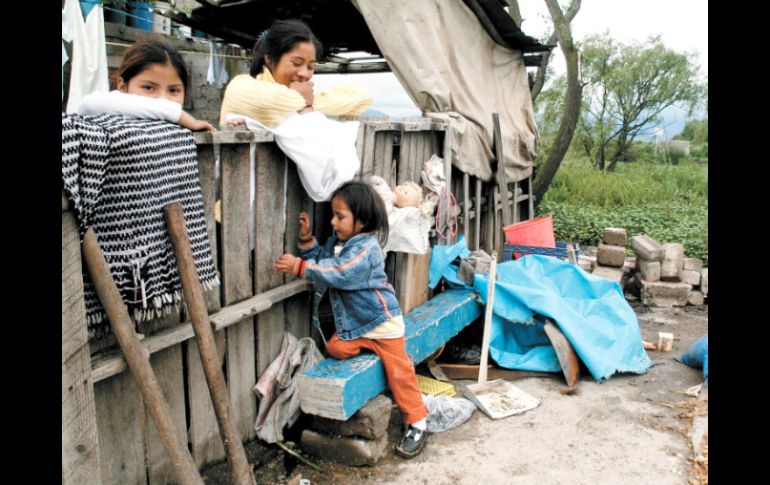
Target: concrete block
{"type": "Point", "coordinates": [647, 248]}
{"type": "Point", "coordinates": [650, 270]}
{"type": "Point", "coordinates": [613, 274]}
{"type": "Point", "coordinates": [586, 265]}
{"type": "Point", "coordinates": [695, 298]}
{"type": "Point", "coordinates": [693, 264]}
{"type": "Point", "coordinates": [664, 294]}
{"type": "Point", "coordinates": [629, 266]}
{"type": "Point", "coordinates": [348, 451]}
{"type": "Point", "coordinates": [704, 281]}
{"type": "Point", "coordinates": [614, 256]}
{"type": "Point", "coordinates": [673, 260]}
{"type": "Point", "coordinates": [690, 277]}
{"type": "Point", "coordinates": [614, 236]}
{"type": "Point", "coordinates": [370, 422]}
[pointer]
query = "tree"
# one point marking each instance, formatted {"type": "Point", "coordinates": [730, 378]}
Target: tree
{"type": "Point", "coordinates": [696, 131]}
{"type": "Point", "coordinates": [572, 98]}
{"type": "Point", "coordinates": [628, 88]}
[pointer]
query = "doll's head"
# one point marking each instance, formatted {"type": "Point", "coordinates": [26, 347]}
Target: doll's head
{"type": "Point", "coordinates": [408, 194]}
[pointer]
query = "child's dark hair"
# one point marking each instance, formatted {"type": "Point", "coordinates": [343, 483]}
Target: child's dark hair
{"type": "Point", "coordinates": [146, 52]}
{"type": "Point", "coordinates": [279, 39]}
{"type": "Point", "coordinates": [367, 206]}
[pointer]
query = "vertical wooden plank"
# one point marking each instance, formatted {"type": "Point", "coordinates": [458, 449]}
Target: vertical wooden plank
{"type": "Point", "coordinates": [383, 154]}
{"type": "Point", "coordinates": [361, 147]}
{"type": "Point", "coordinates": [447, 153]}
{"type": "Point", "coordinates": [367, 162]}
{"type": "Point", "coordinates": [237, 283]}
{"type": "Point", "coordinates": [296, 308]}
{"type": "Point", "coordinates": [168, 368]}
{"type": "Point", "coordinates": [477, 222]}
{"type": "Point", "coordinates": [80, 445]}
{"type": "Point", "coordinates": [203, 432]}
{"type": "Point", "coordinates": [530, 198]}
{"type": "Point", "coordinates": [413, 281]}
{"type": "Point", "coordinates": [207, 172]}
{"type": "Point", "coordinates": [489, 226]}
{"type": "Point", "coordinates": [466, 207]}
{"type": "Point", "coordinates": [271, 221]}
{"type": "Point", "coordinates": [403, 156]}
{"type": "Point", "coordinates": [120, 418]}
{"type": "Point", "coordinates": [515, 203]}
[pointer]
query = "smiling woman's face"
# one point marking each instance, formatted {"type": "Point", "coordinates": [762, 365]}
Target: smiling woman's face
{"type": "Point", "coordinates": [296, 65]}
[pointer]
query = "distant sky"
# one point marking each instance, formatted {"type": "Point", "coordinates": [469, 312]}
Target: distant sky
{"type": "Point", "coordinates": [682, 24]}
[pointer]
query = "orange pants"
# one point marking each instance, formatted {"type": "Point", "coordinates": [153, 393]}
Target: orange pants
{"type": "Point", "coordinates": [399, 370]}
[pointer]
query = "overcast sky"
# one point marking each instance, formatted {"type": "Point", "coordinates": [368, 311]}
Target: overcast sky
{"type": "Point", "coordinates": [682, 24]}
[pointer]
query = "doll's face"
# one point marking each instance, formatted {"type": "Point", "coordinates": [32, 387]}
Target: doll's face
{"type": "Point", "coordinates": [407, 196]}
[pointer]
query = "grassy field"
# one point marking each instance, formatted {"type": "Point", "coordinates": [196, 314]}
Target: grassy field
{"type": "Point", "coordinates": [667, 202]}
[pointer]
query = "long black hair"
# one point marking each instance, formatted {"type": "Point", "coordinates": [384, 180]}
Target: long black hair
{"type": "Point", "coordinates": [279, 39]}
{"type": "Point", "coordinates": [367, 206]}
{"type": "Point", "coordinates": [145, 52]}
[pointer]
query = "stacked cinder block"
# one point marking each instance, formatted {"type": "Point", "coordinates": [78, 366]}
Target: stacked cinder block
{"type": "Point", "coordinates": [611, 254]}
{"type": "Point", "coordinates": [360, 440]}
{"type": "Point", "coordinates": [664, 277]}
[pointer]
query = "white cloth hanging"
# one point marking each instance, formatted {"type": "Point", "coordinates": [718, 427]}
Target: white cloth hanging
{"type": "Point", "coordinates": [89, 52]}
{"type": "Point", "coordinates": [323, 149]}
{"type": "Point", "coordinates": [217, 74]}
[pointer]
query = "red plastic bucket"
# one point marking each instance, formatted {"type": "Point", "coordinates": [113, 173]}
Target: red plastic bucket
{"type": "Point", "coordinates": [534, 232]}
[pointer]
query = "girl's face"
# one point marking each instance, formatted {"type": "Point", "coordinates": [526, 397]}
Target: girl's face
{"type": "Point", "coordinates": [156, 81]}
{"type": "Point", "coordinates": [296, 65]}
{"type": "Point", "coordinates": [343, 222]}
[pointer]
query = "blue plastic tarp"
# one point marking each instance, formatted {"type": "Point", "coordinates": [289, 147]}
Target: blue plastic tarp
{"type": "Point", "coordinates": [441, 266]}
{"type": "Point", "coordinates": [591, 312]}
{"type": "Point", "coordinates": [698, 355]}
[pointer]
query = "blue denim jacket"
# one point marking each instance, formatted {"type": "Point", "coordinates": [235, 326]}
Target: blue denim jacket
{"type": "Point", "coordinates": [359, 292]}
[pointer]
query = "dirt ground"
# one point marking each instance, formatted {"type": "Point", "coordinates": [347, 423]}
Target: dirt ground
{"type": "Point", "coordinates": [631, 429]}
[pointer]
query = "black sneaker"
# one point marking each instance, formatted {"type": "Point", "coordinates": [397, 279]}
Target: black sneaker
{"type": "Point", "coordinates": [412, 442]}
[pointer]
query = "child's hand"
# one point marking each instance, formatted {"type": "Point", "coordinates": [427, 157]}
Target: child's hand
{"type": "Point", "coordinates": [237, 122]}
{"type": "Point", "coordinates": [195, 124]}
{"type": "Point", "coordinates": [304, 225]}
{"type": "Point", "coordinates": [288, 263]}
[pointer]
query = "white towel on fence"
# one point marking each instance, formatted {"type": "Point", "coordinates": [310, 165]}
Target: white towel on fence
{"type": "Point", "coordinates": [323, 149]}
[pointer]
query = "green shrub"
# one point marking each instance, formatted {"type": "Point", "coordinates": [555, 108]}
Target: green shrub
{"type": "Point", "coordinates": [667, 202]}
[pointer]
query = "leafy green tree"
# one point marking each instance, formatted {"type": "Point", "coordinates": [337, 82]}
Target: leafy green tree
{"type": "Point", "coordinates": [628, 88]}
{"type": "Point", "coordinates": [696, 131]}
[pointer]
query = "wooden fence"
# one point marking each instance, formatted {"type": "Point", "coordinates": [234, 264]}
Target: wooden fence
{"type": "Point", "coordinates": [107, 434]}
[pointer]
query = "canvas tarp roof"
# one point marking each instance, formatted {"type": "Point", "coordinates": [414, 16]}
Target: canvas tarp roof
{"type": "Point", "coordinates": [452, 69]}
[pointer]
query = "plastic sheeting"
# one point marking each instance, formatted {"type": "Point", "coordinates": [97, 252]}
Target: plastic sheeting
{"type": "Point", "coordinates": [591, 312]}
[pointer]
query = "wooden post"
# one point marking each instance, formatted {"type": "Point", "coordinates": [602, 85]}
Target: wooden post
{"type": "Point", "coordinates": [212, 366]}
{"type": "Point", "coordinates": [477, 205]}
{"type": "Point", "coordinates": [79, 442]}
{"type": "Point", "coordinates": [184, 467]}
{"type": "Point", "coordinates": [413, 280]}
{"type": "Point", "coordinates": [502, 177]}
{"type": "Point", "coordinates": [466, 207]}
